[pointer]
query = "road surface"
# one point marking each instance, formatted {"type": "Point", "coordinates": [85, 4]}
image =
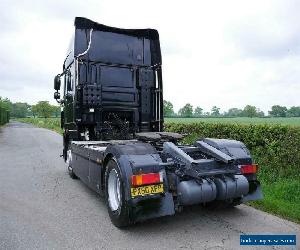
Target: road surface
{"type": "Point", "coordinates": [42, 208]}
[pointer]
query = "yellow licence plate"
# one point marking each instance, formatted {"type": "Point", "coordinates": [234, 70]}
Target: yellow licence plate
{"type": "Point", "coordinates": [145, 190]}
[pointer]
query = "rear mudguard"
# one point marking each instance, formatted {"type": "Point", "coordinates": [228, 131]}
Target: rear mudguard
{"type": "Point", "coordinates": [135, 158]}
{"type": "Point", "coordinates": [256, 194]}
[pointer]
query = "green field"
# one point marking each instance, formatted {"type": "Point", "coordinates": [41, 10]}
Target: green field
{"type": "Point", "coordinates": [293, 121]}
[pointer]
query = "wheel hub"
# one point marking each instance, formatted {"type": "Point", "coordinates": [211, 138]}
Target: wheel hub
{"type": "Point", "coordinates": [114, 194]}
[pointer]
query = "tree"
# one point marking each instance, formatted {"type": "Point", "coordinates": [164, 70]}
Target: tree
{"type": "Point", "coordinates": [234, 112]}
{"type": "Point", "coordinates": [198, 111]}
{"type": "Point", "coordinates": [168, 108]}
{"type": "Point", "coordinates": [215, 111]}
{"type": "Point", "coordinates": [259, 113]}
{"type": "Point", "coordinates": [5, 103]}
{"type": "Point", "coordinates": [19, 109]}
{"type": "Point", "coordinates": [186, 110]}
{"type": "Point", "coordinates": [250, 111]}
{"type": "Point", "coordinates": [44, 109]}
{"type": "Point", "coordinates": [34, 110]}
{"type": "Point", "coordinates": [56, 110]}
{"type": "Point", "coordinates": [278, 111]}
{"type": "Point", "coordinates": [294, 111]}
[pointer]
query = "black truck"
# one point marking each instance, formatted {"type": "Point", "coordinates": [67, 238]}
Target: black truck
{"type": "Point", "coordinates": [113, 140]}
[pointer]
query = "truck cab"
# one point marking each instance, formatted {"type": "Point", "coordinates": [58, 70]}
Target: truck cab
{"type": "Point", "coordinates": [112, 83]}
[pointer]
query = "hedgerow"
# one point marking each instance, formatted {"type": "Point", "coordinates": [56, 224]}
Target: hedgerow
{"type": "Point", "coordinates": [276, 148]}
{"type": "Point", "coordinates": [4, 116]}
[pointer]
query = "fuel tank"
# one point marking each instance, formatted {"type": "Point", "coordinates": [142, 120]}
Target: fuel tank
{"type": "Point", "coordinates": [194, 192]}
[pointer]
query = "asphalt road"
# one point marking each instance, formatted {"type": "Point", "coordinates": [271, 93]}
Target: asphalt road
{"type": "Point", "coordinates": [42, 208]}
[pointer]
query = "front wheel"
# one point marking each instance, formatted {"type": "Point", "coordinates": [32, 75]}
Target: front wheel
{"type": "Point", "coordinates": [115, 195]}
{"type": "Point", "coordinates": [69, 165]}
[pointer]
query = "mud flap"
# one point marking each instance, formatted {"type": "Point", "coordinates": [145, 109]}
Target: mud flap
{"type": "Point", "coordinates": [153, 208]}
{"type": "Point", "coordinates": [256, 195]}
{"type": "Point", "coordinates": [133, 158]}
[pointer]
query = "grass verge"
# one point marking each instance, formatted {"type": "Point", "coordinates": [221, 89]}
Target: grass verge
{"type": "Point", "coordinates": [281, 198]}
{"type": "Point", "coordinates": [49, 123]}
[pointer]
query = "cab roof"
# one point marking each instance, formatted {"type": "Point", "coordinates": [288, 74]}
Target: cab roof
{"type": "Point", "coordinates": [85, 23]}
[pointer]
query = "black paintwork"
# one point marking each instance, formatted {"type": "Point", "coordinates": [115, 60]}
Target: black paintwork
{"type": "Point", "coordinates": [119, 76]}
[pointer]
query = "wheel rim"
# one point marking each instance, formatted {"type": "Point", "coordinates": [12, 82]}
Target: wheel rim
{"type": "Point", "coordinates": [114, 194]}
{"type": "Point", "coordinates": [69, 159]}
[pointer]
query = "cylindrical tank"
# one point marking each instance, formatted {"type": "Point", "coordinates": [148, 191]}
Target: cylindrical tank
{"type": "Point", "coordinates": [191, 192]}
{"type": "Point", "coordinates": [231, 187]}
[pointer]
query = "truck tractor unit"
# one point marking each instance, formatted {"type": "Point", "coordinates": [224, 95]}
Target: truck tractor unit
{"type": "Point", "coordinates": [113, 132]}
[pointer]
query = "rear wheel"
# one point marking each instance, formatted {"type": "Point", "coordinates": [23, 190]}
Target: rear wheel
{"type": "Point", "coordinates": [115, 195]}
{"type": "Point", "coordinates": [69, 165]}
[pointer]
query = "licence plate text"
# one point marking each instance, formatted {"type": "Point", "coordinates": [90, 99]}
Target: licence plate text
{"type": "Point", "coordinates": [146, 190]}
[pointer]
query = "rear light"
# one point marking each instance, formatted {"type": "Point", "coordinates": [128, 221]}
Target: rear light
{"type": "Point", "coordinates": [145, 179]}
{"type": "Point", "coordinates": [249, 169]}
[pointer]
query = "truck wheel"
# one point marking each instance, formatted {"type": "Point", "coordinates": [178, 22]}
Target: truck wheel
{"type": "Point", "coordinates": [69, 165]}
{"type": "Point", "coordinates": [115, 195]}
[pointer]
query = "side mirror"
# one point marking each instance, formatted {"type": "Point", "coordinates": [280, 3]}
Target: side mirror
{"type": "Point", "coordinates": [56, 95]}
{"type": "Point", "coordinates": [57, 82]}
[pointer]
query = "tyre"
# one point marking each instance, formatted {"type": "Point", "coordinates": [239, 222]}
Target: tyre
{"type": "Point", "coordinates": [117, 206]}
{"type": "Point", "coordinates": [66, 143]}
{"type": "Point", "coordinates": [69, 165]}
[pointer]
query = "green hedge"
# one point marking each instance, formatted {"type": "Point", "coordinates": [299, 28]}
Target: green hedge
{"type": "Point", "coordinates": [276, 148]}
{"type": "Point", "coordinates": [4, 116]}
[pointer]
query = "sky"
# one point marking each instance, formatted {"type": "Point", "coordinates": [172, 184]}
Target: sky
{"type": "Point", "coordinates": [223, 53]}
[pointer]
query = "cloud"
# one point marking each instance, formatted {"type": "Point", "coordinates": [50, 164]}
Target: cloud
{"type": "Point", "coordinates": [224, 53]}
{"type": "Point", "coordinates": [270, 31]}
